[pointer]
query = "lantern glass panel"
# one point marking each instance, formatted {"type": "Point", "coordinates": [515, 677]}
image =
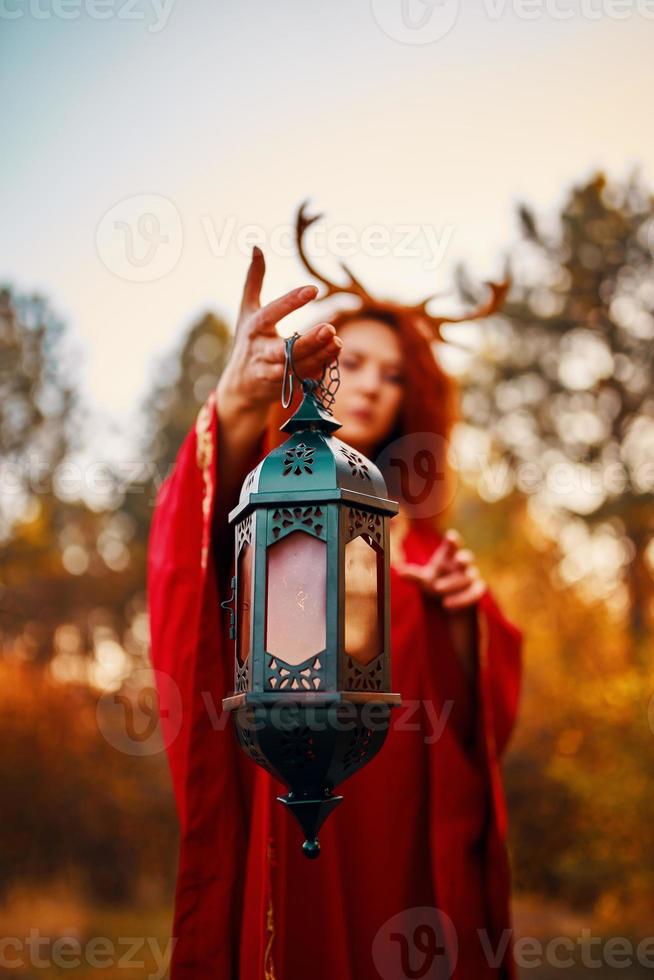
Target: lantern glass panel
{"type": "Point", "coordinates": [296, 605]}
{"type": "Point", "coordinates": [364, 591]}
{"type": "Point", "coordinates": [244, 601]}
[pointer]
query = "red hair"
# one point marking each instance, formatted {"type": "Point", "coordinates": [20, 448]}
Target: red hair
{"type": "Point", "coordinates": [430, 402]}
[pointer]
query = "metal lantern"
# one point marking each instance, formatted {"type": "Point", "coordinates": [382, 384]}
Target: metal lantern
{"type": "Point", "coordinates": [310, 609]}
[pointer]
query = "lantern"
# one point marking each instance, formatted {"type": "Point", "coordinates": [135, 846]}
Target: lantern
{"type": "Point", "coordinates": [311, 610]}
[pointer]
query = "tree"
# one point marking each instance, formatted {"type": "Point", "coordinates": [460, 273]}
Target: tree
{"type": "Point", "coordinates": [561, 396]}
{"type": "Point", "coordinates": [36, 402]}
{"type": "Point", "coordinates": [188, 377]}
{"type": "Point", "coordinates": [37, 431]}
{"type": "Point", "coordinates": [74, 608]}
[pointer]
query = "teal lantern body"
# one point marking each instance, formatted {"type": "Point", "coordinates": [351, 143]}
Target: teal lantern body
{"type": "Point", "coordinates": [311, 619]}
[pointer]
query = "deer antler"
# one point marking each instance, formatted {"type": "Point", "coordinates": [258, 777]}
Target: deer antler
{"type": "Point", "coordinates": [431, 325]}
{"type": "Point", "coordinates": [353, 286]}
{"type": "Point", "coordinates": [498, 291]}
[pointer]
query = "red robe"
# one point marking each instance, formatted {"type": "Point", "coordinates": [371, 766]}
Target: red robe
{"type": "Point", "coordinates": [413, 877]}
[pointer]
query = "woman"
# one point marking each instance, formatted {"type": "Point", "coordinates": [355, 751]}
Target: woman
{"type": "Point", "coordinates": [413, 879]}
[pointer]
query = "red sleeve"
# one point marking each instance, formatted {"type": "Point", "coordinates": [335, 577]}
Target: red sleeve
{"type": "Point", "coordinates": [482, 716]}
{"type": "Point", "coordinates": [191, 655]}
{"type": "Point", "coordinates": [175, 584]}
{"type": "Point", "coordinates": [499, 660]}
{"type": "Point", "coordinates": [499, 675]}
{"type": "Point", "coordinates": [500, 669]}
{"type": "Point", "coordinates": [498, 690]}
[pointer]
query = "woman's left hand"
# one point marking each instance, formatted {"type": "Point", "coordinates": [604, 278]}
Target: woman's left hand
{"type": "Point", "coordinates": [450, 575]}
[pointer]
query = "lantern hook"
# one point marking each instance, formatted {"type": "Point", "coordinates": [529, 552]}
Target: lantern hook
{"type": "Point", "coordinates": [227, 605]}
{"type": "Point", "coordinates": [324, 394]}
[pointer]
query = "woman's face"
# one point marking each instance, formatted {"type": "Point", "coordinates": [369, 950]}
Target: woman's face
{"type": "Point", "coordinates": [368, 399]}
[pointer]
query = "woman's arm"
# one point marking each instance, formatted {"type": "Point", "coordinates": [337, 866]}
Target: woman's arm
{"type": "Point", "coordinates": [452, 578]}
{"type": "Point", "coordinates": [241, 427]}
{"type": "Point", "coordinates": [251, 380]}
{"type": "Point", "coordinates": [487, 645]}
{"type": "Point", "coordinates": [462, 627]}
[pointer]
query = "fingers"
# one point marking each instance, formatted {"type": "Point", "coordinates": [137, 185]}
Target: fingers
{"type": "Point", "coordinates": [253, 282]}
{"type": "Point", "coordinates": [311, 352]}
{"type": "Point", "coordinates": [455, 582]}
{"type": "Point", "coordinates": [450, 574]}
{"type": "Point", "coordinates": [267, 372]}
{"type": "Point", "coordinates": [456, 591]}
{"type": "Point", "coordinates": [457, 560]}
{"type": "Point", "coordinates": [265, 319]}
{"type": "Point", "coordinates": [454, 537]}
{"type": "Point", "coordinates": [315, 348]}
{"type": "Point", "coordinates": [318, 346]}
{"type": "Point", "coordinates": [460, 600]}
{"type": "Point", "coordinates": [439, 563]}
{"type": "Point", "coordinates": [439, 557]}
{"type": "Point", "coordinates": [414, 573]}
{"type": "Point", "coordinates": [457, 557]}
{"type": "Point", "coordinates": [313, 340]}
{"type": "Point", "coordinates": [463, 558]}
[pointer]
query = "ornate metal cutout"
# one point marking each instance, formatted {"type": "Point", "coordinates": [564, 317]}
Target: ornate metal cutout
{"type": "Point", "coordinates": [247, 486]}
{"type": "Point", "coordinates": [299, 459]}
{"type": "Point", "coordinates": [306, 676]}
{"type": "Point", "coordinates": [242, 682]}
{"type": "Point", "coordinates": [358, 467]}
{"type": "Point", "coordinates": [299, 746]}
{"type": "Point", "coordinates": [250, 745]}
{"type": "Point", "coordinates": [286, 519]}
{"type": "Point", "coordinates": [360, 746]}
{"type": "Point", "coordinates": [243, 532]}
{"type": "Point", "coordinates": [363, 522]}
{"type": "Point", "coordinates": [364, 677]}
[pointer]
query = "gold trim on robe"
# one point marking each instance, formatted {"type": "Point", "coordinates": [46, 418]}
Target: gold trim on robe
{"type": "Point", "coordinates": [269, 971]}
{"type": "Point", "coordinates": [205, 459]}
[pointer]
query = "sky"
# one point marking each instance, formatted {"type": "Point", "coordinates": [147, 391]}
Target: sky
{"type": "Point", "coordinates": [147, 144]}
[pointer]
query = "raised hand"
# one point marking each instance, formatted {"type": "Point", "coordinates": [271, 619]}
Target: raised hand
{"type": "Point", "coordinates": [450, 575]}
{"type": "Point", "coordinates": [253, 375]}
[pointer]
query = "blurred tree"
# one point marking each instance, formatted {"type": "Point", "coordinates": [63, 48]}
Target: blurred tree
{"type": "Point", "coordinates": [36, 403]}
{"type": "Point", "coordinates": [72, 802]}
{"type": "Point", "coordinates": [64, 564]}
{"type": "Point", "coordinates": [185, 379]}
{"type": "Point", "coordinates": [188, 376]}
{"type": "Point", "coordinates": [37, 431]}
{"type": "Point", "coordinates": [558, 432]}
{"type": "Point", "coordinates": [578, 773]}
{"type": "Point", "coordinates": [559, 401]}
{"type": "Point", "coordinates": [74, 608]}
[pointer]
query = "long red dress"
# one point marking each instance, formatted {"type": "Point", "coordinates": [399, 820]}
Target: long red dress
{"type": "Point", "coordinates": [413, 879]}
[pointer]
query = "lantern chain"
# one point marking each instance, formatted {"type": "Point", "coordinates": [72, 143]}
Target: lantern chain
{"type": "Point", "coordinates": [325, 394]}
